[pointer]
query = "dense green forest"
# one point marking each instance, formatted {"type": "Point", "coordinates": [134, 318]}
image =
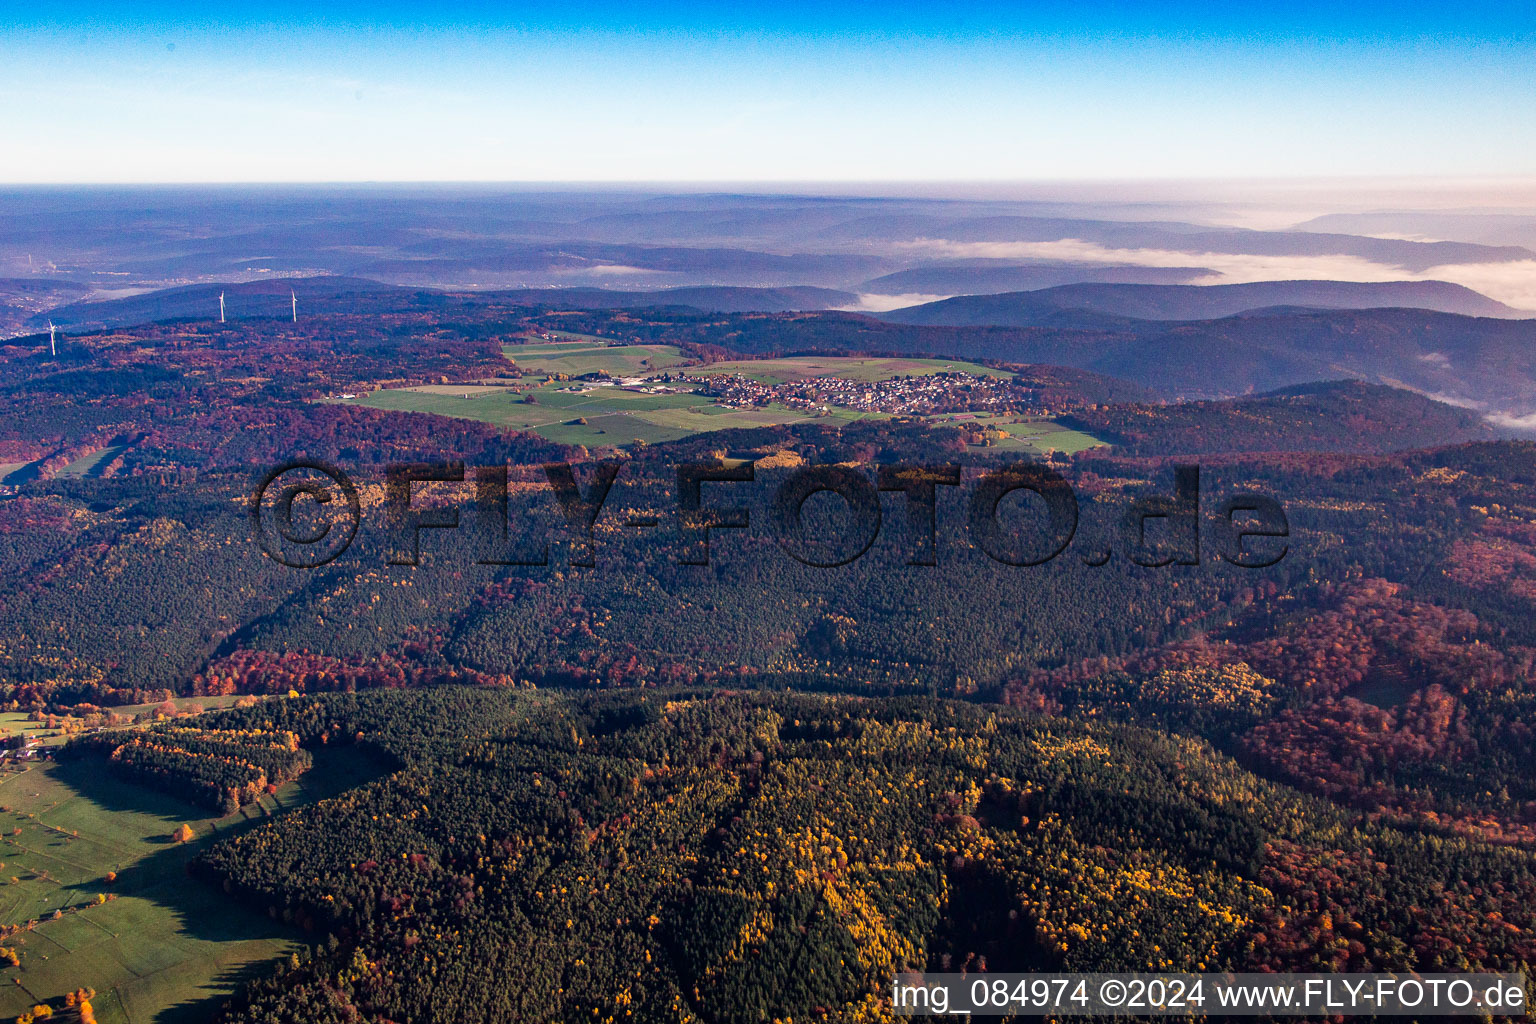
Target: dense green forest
{"type": "Point", "coordinates": [1338, 416]}
{"type": "Point", "coordinates": [624, 783]}
{"type": "Point", "coordinates": [689, 855]}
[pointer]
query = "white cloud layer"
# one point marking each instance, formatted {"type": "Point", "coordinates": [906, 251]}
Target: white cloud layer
{"type": "Point", "coordinates": [1510, 421]}
{"type": "Point", "coordinates": [1512, 283]}
{"type": "Point", "coordinates": [870, 302]}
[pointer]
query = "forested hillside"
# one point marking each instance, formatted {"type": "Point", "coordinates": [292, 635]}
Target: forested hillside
{"type": "Point", "coordinates": [704, 855]}
{"type": "Point", "coordinates": [1155, 301]}
{"type": "Point", "coordinates": [1480, 361]}
{"type": "Point", "coordinates": [622, 781]}
{"type": "Point", "coordinates": [1338, 416]}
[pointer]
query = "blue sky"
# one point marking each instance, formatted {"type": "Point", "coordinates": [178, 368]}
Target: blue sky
{"type": "Point", "coordinates": [830, 91]}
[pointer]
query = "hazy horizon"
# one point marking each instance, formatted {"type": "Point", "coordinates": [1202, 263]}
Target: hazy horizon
{"type": "Point", "coordinates": [826, 92]}
{"type": "Point", "coordinates": [835, 235]}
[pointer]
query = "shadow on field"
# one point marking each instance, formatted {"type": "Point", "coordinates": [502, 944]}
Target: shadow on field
{"type": "Point", "coordinates": [91, 778]}
{"type": "Point", "coordinates": [200, 1011]}
{"type": "Point", "coordinates": [198, 909]}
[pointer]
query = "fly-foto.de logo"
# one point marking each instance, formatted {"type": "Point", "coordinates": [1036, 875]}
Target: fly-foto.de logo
{"type": "Point", "coordinates": [306, 513]}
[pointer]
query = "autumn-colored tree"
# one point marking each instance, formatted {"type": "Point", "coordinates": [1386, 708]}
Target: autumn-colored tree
{"type": "Point", "coordinates": [183, 834]}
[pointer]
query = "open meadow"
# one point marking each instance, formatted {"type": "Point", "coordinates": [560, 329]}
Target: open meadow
{"type": "Point", "coordinates": [576, 358]}
{"type": "Point", "coordinates": [1034, 436]}
{"type": "Point", "coordinates": [91, 464]}
{"type": "Point", "coordinates": [14, 723]}
{"type": "Point", "coordinates": [90, 863]}
{"type": "Point", "coordinates": [593, 416]}
{"type": "Point", "coordinates": [86, 466]}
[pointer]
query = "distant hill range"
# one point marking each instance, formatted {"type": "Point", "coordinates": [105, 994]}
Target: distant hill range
{"type": "Point", "coordinates": [270, 298]}
{"type": "Point", "coordinates": [1481, 362]}
{"type": "Point", "coordinates": [1332, 416]}
{"type": "Point", "coordinates": [456, 263]}
{"type": "Point", "coordinates": [1062, 306]}
{"type": "Point", "coordinates": [1169, 236]}
{"type": "Point", "coordinates": [1477, 227]}
{"type": "Point", "coordinates": [274, 298]}
{"type": "Point", "coordinates": [1484, 363]}
{"type": "Point", "coordinates": [22, 297]}
{"type": "Point", "coordinates": [988, 277]}
{"type": "Point", "coordinates": [719, 299]}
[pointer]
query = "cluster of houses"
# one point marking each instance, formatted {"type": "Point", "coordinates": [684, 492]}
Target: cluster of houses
{"type": "Point", "coordinates": [933, 393]}
{"type": "Point", "coordinates": [667, 385]}
{"type": "Point", "coordinates": [29, 750]}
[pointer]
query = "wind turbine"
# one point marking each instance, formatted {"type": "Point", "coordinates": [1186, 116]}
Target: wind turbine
{"type": "Point", "coordinates": [295, 296]}
{"type": "Point", "coordinates": [53, 349]}
{"type": "Point", "coordinates": [221, 307]}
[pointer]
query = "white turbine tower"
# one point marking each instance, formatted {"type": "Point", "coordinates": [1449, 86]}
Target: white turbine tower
{"type": "Point", "coordinates": [221, 307]}
{"type": "Point", "coordinates": [53, 349]}
{"type": "Point", "coordinates": [295, 296]}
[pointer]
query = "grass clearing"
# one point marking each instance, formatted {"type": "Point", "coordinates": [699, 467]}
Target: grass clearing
{"type": "Point", "coordinates": [574, 335]}
{"type": "Point", "coordinates": [1048, 435]}
{"type": "Point", "coordinates": [168, 948]}
{"type": "Point", "coordinates": [614, 415]}
{"type": "Point", "coordinates": [89, 465]}
{"type": "Point", "coordinates": [620, 416]}
{"type": "Point", "coordinates": [458, 390]}
{"type": "Point", "coordinates": [611, 413]}
{"type": "Point", "coordinates": [618, 430]}
{"type": "Point", "coordinates": [575, 360]}
{"type": "Point", "coordinates": [1035, 436]}
{"type": "Point", "coordinates": [14, 722]}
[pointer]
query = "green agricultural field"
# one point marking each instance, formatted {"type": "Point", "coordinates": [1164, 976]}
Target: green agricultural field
{"type": "Point", "coordinates": [489, 407]}
{"type": "Point", "coordinates": [614, 416]}
{"type": "Point", "coordinates": [619, 416]}
{"type": "Point", "coordinates": [578, 336]}
{"type": "Point", "coordinates": [167, 949]}
{"type": "Point", "coordinates": [82, 467]}
{"type": "Point", "coordinates": [89, 464]}
{"type": "Point", "coordinates": [619, 360]}
{"type": "Point", "coordinates": [18, 722]}
{"type": "Point", "coordinates": [776, 371]}
{"type": "Point", "coordinates": [461, 390]}
{"type": "Point", "coordinates": [618, 430]}
{"type": "Point", "coordinates": [1048, 435]}
{"type": "Point", "coordinates": [1036, 436]}
{"type": "Point", "coordinates": [15, 722]}
{"type": "Point", "coordinates": [718, 417]}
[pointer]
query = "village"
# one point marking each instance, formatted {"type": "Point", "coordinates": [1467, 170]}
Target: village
{"type": "Point", "coordinates": [911, 395]}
